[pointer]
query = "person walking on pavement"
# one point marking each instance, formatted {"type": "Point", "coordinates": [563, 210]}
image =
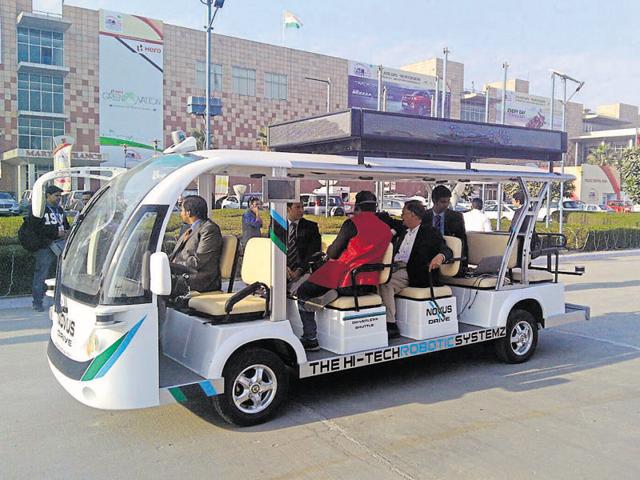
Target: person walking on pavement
{"type": "Point", "coordinates": [52, 229]}
{"type": "Point", "coordinates": [251, 221]}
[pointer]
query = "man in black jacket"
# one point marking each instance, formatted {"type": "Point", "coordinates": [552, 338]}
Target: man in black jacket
{"type": "Point", "coordinates": [304, 241]}
{"type": "Point", "coordinates": [52, 230]}
{"type": "Point", "coordinates": [446, 221]}
{"type": "Point", "coordinates": [418, 250]}
{"type": "Point", "coordinates": [195, 260]}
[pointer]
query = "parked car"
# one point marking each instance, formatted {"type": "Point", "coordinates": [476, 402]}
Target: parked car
{"type": "Point", "coordinates": [25, 202]}
{"type": "Point", "coordinates": [232, 200]}
{"type": "Point", "coordinates": [592, 207]}
{"type": "Point", "coordinates": [69, 199]}
{"type": "Point", "coordinates": [491, 211]}
{"type": "Point", "coordinates": [8, 204]}
{"type": "Point", "coordinates": [620, 206]}
{"type": "Point", "coordinates": [316, 205]}
{"type": "Point", "coordinates": [393, 206]}
{"type": "Point", "coordinates": [418, 102]}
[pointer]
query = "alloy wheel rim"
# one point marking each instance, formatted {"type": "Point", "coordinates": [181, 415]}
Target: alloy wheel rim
{"type": "Point", "coordinates": [521, 338]}
{"type": "Point", "coordinates": [254, 389]}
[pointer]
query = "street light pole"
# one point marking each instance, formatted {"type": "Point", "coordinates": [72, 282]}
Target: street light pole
{"type": "Point", "coordinates": [218, 4]}
{"type": "Point", "coordinates": [553, 109]}
{"type": "Point", "coordinates": [446, 52]}
{"type": "Point", "coordinates": [327, 82]}
{"type": "Point", "coordinates": [505, 66]}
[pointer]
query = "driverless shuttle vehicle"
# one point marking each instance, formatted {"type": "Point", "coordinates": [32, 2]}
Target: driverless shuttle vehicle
{"type": "Point", "coordinates": [118, 341]}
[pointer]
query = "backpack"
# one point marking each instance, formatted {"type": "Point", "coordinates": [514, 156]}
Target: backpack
{"type": "Point", "coordinates": [28, 236]}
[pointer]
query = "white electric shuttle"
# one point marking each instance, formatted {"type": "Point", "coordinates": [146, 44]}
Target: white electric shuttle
{"type": "Point", "coordinates": [118, 341]}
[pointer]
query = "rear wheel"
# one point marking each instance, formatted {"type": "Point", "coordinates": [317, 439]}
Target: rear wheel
{"type": "Point", "coordinates": [338, 212]}
{"type": "Point", "coordinates": [255, 384]}
{"type": "Point", "coordinates": [521, 340]}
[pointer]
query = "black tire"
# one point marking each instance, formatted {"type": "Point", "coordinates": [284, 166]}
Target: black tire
{"type": "Point", "coordinates": [338, 212]}
{"type": "Point", "coordinates": [241, 365]}
{"type": "Point", "coordinates": [521, 340]}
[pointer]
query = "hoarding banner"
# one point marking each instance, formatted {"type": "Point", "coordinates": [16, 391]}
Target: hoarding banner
{"type": "Point", "coordinates": [131, 87]}
{"type": "Point", "coordinates": [529, 111]}
{"type": "Point", "coordinates": [62, 160]}
{"type": "Point", "coordinates": [407, 92]}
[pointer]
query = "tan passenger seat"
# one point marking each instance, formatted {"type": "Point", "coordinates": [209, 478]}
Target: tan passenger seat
{"type": "Point", "coordinates": [448, 270]}
{"type": "Point", "coordinates": [368, 300]}
{"type": "Point", "coordinates": [327, 239]}
{"type": "Point", "coordinates": [256, 267]}
{"type": "Point", "coordinates": [481, 245]}
{"type": "Point", "coordinates": [535, 276]}
{"type": "Point", "coordinates": [228, 260]}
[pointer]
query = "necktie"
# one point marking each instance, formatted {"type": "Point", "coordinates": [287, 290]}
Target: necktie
{"type": "Point", "coordinates": [437, 222]}
{"type": "Point", "coordinates": [292, 247]}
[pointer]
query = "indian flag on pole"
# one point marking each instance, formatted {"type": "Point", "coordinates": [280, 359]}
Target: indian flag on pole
{"type": "Point", "coordinates": [291, 21]}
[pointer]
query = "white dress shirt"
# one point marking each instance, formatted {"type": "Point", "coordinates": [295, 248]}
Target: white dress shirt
{"type": "Point", "coordinates": [476, 221]}
{"type": "Point", "coordinates": [404, 252]}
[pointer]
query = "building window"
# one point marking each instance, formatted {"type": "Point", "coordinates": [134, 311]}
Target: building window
{"type": "Point", "coordinates": [40, 93]}
{"type": "Point", "coordinates": [275, 86]}
{"type": "Point", "coordinates": [244, 81]}
{"type": "Point", "coordinates": [40, 46]}
{"type": "Point", "coordinates": [201, 76]}
{"type": "Point", "coordinates": [38, 133]}
{"type": "Point", "coordinates": [472, 112]}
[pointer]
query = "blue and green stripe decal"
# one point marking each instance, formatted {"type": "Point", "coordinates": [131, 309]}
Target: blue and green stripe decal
{"type": "Point", "coordinates": [278, 231]}
{"type": "Point", "coordinates": [101, 364]}
{"type": "Point", "coordinates": [192, 391]}
{"type": "Point", "coordinates": [366, 315]}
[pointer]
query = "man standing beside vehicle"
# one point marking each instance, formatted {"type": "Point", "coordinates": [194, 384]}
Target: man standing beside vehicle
{"type": "Point", "coordinates": [303, 242]}
{"type": "Point", "coordinates": [446, 221]}
{"type": "Point", "coordinates": [195, 260]}
{"type": "Point", "coordinates": [419, 249]}
{"type": "Point", "coordinates": [251, 221]}
{"type": "Point", "coordinates": [362, 239]}
{"type": "Point", "coordinates": [50, 232]}
{"type": "Point", "coordinates": [475, 220]}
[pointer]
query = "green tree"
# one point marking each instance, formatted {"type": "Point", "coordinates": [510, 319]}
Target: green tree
{"type": "Point", "coordinates": [604, 154]}
{"type": "Point", "coordinates": [534, 188]}
{"type": "Point", "coordinates": [199, 136]}
{"type": "Point", "coordinates": [262, 140]}
{"type": "Point", "coordinates": [630, 173]}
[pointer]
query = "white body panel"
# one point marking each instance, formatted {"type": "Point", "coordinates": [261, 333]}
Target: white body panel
{"type": "Point", "coordinates": [490, 308]}
{"type": "Point", "coordinates": [347, 331]}
{"type": "Point", "coordinates": [423, 319]}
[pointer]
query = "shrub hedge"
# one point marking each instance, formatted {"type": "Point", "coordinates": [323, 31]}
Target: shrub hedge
{"type": "Point", "coordinates": [584, 231]}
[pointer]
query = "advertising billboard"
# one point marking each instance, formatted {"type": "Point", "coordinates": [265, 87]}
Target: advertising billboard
{"type": "Point", "coordinates": [529, 111]}
{"type": "Point", "coordinates": [406, 92]}
{"type": "Point", "coordinates": [131, 87]}
{"type": "Point", "coordinates": [62, 160]}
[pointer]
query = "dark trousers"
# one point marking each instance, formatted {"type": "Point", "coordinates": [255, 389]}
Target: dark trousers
{"type": "Point", "coordinates": [45, 258]}
{"type": "Point", "coordinates": [309, 290]}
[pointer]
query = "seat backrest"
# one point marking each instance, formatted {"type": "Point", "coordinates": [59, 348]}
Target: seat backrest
{"type": "Point", "coordinates": [489, 244]}
{"type": "Point", "coordinates": [256, 264]}
{"type": "Point", "coordinates": [452, 269]}
{"type": "Point", "coordinates": [387, 260]}
{"type": "Point", "coordinates": [327, 239]}
{"type": "Point", "coordinates": [228, 256]}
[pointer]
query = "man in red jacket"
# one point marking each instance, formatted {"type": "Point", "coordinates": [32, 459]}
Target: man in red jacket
{"type": "Point", "coordinates": [362, 239]}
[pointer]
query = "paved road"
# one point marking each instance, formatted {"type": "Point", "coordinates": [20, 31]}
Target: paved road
{"type": "Point", "coordinates": [573, 411]}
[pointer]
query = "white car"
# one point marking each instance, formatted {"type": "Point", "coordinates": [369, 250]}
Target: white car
{"type": "Point", "coordinates": [592, 207]}
{"type": "Point", "coordinates": [393, 206]}
{"type": "Point", "coordinates": [491, 211]}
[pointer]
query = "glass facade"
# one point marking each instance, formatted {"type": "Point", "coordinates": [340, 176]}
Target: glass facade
{"type": "Point", "coordinates": [244, 81]}
{"type": "Point", "coordinates": [40, 93]}
{"type": "Point", "coordinates": [40, 46]}
{"type": "Point", "coordinates": [201, 76]}
{"type": "Point", "coordinates": [275, 86]}
{"type": "Point", "coordinates": [472, 112]}
{"type": "Point", "coordinates": [38, 133]}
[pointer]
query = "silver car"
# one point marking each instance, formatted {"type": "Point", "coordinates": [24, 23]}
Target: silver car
{"type": "Point", "coordinates": [8, 204]}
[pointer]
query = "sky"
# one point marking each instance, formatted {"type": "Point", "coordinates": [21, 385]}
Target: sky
{"type": "Point", "coordinates": [591, 40]}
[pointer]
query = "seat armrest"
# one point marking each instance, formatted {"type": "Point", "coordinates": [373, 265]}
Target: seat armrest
{"type": "Point", "coordinates": [245, 292]}
{"type": "Point", "coordinates": [367, 267]}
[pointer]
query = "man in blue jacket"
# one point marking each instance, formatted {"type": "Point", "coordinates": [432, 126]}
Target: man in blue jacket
{"type": "Point", "coordinates": [52, 229]}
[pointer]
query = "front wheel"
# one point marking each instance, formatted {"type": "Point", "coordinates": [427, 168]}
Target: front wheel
{"type": "Point", "coordinates": [255, 384]}
{"type": "Point", "coordinates": [521, 340]}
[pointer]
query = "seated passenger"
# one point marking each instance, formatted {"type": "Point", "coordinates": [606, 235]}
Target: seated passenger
{"type": "Point", "coordinates": [304, 241]}
{"type": "Point", "coordinates": [446, 221]}
{"type": "Point", "coordinates": [195, 260]}
{"type": "Point", "coordinates": [361, 240]}
{"type": "Point", "coordinates": [419, 248]}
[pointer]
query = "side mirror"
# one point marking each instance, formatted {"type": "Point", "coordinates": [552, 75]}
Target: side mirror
{"type": "Point", "coordinates": [160, 274]}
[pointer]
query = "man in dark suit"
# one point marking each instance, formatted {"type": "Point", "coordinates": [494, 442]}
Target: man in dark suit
{"type": "Point", "coordinates": [195, 261]}
{"type": "Point", "coordinates": [419, 249]}
{"type": "Point", "coordinates": [304, 241]}
{"type": "Point", "coordinates": [446, 221]}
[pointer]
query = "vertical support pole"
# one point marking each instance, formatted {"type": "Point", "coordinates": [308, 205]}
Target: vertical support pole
{"type": "Point", "coordinates": [207, 95]}
{"type": "Point", "coordinates": [553, 111]}
{"type": "Point", "coordinates": [205, 190]}
{"type": "Point", "coordinates": [505, 66]}
{"type": "Point", "coordinates": [436, 98]}
{"type": "Point", "coordinates": [486, 106]}
{"type": "Point", "coordinates": [384, 98]}
{"type": "Point", "coordinates": [278, 212]}
{"type": "Point", "coordinates": [379, 87]}
{"type": "Point", "coordinates": [329, 95]}
{"type": "Point", "coordinates": [564, 155]}
{"type": "Point", "coordinates": [499, 206]}
{"type": "Point", "coordinates": [327, 186]}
